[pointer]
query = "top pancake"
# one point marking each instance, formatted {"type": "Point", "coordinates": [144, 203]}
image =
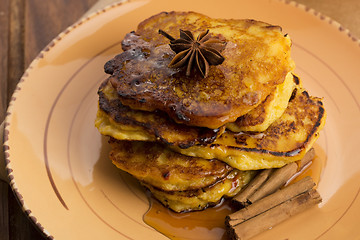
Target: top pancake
{"type": "Point", "coordinates": [257, 59]}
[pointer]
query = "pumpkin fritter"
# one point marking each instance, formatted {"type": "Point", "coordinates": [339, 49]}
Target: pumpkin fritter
{"type": "Point", "coordinates": [155, 164]}
{"type": "Point", "coordinates": [123, 123]}
{"type": "Point", "coordinates": [257, 59]}
{"type": "Point", "coordinates": [285, 141]}
{"type": "Point", "coordinates": [199, 199]}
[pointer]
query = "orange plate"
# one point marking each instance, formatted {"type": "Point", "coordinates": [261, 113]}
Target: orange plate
{"type": "Point", "coordinates": [57, 159]}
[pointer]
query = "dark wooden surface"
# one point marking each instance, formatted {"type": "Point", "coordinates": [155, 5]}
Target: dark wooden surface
{"type": "Point", "coordinates": [26, 27]}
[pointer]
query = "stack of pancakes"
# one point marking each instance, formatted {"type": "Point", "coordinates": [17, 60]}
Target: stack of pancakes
{"type": "Point", "coordinates": [192, 140]}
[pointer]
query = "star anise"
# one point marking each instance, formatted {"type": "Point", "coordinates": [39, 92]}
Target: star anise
{"type": "Point", "coordinates": [203, 51]}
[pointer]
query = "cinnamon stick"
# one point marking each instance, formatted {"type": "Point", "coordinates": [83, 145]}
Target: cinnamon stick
{"type": "Point", "coordinates": [276, 180]}
{"type": "Point", "coordinates": [269, 181]}
{"type": "Point", "coordinates": [274, 216]}
{"type": "Point", "coordinates": [309, 156]}
{"type": "Point", "coordinates": [270, 201]}
{"type": "Point", "coordinates": [241, 198]}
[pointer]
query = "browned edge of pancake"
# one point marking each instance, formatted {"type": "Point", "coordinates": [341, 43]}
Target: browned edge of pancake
{"type": "Point", "coordinates": [162, 127]}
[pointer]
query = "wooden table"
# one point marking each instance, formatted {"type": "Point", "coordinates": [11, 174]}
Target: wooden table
{"type": "Point", "coordinates": [27, 26]}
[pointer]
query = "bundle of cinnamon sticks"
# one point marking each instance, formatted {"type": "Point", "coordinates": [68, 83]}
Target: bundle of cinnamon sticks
{"type": "Point", "coordinates": [263, 204]}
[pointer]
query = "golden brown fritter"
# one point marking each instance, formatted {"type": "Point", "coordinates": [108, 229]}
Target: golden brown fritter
{"type": "Point", "coordinates": [199, 199]}
{"type": "Point", "coordinates": [286, 140]}
{"type": "Point", "coordinates": [157, 165]}
{"type": "Point", "coordinates": [257, 59]}
{"type": "Point", "coordinates": [123, 123]}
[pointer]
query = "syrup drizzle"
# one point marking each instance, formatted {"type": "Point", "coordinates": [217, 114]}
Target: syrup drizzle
{"type": "Point", "coordinates": [209, 224]}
